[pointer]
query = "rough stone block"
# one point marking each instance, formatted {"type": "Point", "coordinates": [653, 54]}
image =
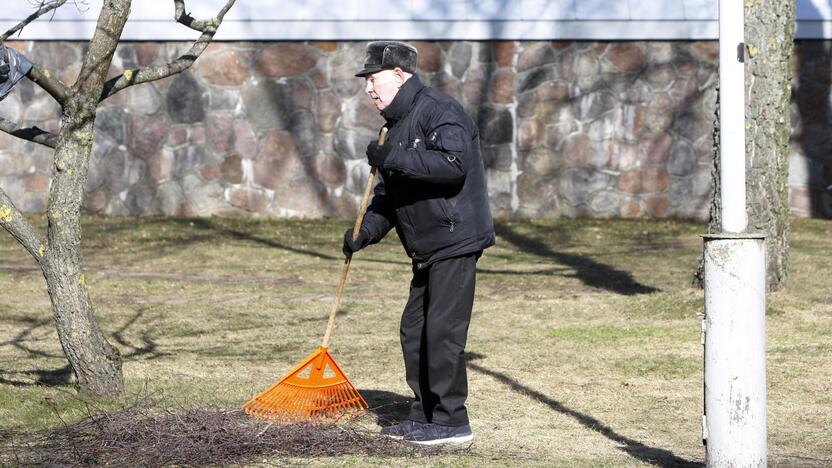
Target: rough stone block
{"type": "Point", "coordinates": [148, 135]}
{"type": "Point", "coordinates": [286, 59]}
{"type": "Point", "coordinates": [627, 56]}
{"type": "Point", "coordinates": [277, 161]}
{"type": "Point", "coordinates": [535, 54]}
{"type": "Point", "coordinates": [328, 111]}
{"type": "Point", "coordinates": [186, 99]}
{"type": "Point", "coordinates": [330, 169]}
{"type": "Point", "coordinates": [429, 58]}
{"type": "Point", "coordinates": [268, 104]}
{"type": "Point", "coordinates": [460, 58]}
{"type": "Point", "coordinates": [232, 170]}
{"type": "Point", "coordinates": [497, 157]}
{"type": "Point", "coordinates": [682, 160]}
{"type": "Point", "coordinates": [248, 198]}
{"type": "Point", "coordinates": [37, 183]}
{"type": "Point", "coordinates": [658, 207]}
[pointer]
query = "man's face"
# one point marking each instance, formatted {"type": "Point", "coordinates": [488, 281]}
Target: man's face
{"type": "Point", "coordinates": [382, 86]}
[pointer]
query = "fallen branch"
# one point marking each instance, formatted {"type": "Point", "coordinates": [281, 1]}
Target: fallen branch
{"type": "Point", "coordinates": [150, 432]}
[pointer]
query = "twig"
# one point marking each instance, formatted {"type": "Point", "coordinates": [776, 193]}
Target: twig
{"type": "Point", "coordinates": [45, 8]}
{"type": "Point", "coordinates": [183, 62]}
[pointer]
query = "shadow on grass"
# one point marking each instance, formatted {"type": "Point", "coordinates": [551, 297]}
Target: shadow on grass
{"type": "Point", "coordinates": [389, 407]}
{"type": "Point", "coordinates": [205, 223]}
{"type": "Point", "coordinates": [591, 272]}
{"type": "Point", "coordinates": [205, 231]}
{"type": "Point", "coordinates": [63, 375]}
{"type": "Point", "coordinates": [633, 447]}
{"type": "Point", "coordinates": [52, 378]}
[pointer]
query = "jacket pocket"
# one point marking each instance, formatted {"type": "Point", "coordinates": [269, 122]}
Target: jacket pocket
{"type": "Point", "coordinates": [449, 214]}
{"type": "Point", "coordinates": [433, 223]}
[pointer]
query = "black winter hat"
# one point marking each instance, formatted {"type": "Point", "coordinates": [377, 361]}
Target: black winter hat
{"type": "Point", "coordinates": [383, 55]}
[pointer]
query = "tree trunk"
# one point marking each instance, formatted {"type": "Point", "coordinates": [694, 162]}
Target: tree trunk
{"type": "Point", "coordinates": [769, 34]}
{"type": "Point", "coordinates": [769, 38]}
{"type": "Point", "coordinates": [95, 362]}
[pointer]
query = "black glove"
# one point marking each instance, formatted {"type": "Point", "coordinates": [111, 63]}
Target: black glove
{"type": "Point", "coordinates": [351, 246]}
{"type": "Point", "coordinates": [376, 154]}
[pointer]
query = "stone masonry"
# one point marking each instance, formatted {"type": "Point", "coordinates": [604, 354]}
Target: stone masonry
{"type": "Point", "coordinates": [590, 129]}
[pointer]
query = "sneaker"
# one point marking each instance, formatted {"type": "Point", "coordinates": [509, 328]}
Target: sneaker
{"type": "Point", "coordinates": [434, 434]}
{"type": "Point", "coordinates": [397, 431]}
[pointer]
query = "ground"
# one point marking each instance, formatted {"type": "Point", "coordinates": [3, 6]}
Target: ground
{"type": "Point", "coordinates": [584, 347]}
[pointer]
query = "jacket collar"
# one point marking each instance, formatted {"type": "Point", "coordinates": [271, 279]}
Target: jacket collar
{"type": "Point", "coordinates": [404, 100]}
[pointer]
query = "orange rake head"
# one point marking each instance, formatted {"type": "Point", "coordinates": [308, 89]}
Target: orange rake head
{"type": "Point", "coordinates": [316, 390]}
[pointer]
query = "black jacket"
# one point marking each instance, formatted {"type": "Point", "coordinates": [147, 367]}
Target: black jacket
{"type": "Point", "coordinates": [432, 186]}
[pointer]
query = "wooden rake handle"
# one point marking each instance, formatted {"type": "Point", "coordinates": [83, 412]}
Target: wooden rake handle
{"type": "Point", "coordinates": [362, 210]}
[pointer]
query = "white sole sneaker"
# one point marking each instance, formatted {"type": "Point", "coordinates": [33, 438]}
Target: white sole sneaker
{"type": "Point", "coordinates": [449, 440]}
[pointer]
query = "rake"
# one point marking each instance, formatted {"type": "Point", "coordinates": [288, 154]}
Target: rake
{"type": "Point", "coordinates": [317, 390]}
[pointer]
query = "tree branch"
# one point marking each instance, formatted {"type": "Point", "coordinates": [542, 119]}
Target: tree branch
{"type": "Point", "coordinates": [45, 8]}
{"type": "Point", "coordinates": [19, 227]}
{"type": "Point", "coordinates": [33, 134]}
{"type": "Point", "coordinates": [49, 83]}
{"type": "Point", "coordinates": [41, 76]}
{"type": "Point", "coordinates": [182, 63]}
{"type": "Point", "coordinates": [199, 25]}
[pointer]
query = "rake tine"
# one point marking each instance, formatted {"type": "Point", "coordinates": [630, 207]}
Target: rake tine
{"type": "Point", "coordinates": [311, 398]}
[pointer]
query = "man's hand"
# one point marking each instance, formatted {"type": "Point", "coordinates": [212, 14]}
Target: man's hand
{"type": "Point", "coordinates": [376, 154]}
{"type": "Point", "coordinates": [352, 246]}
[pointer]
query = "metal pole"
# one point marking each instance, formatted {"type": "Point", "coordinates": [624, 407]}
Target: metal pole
{"type": "Point", "coordinates": [732, 115]}
{"type": "Point", "coordinates": [735, 339]}
{"type": "Point", "coordinates": [734, 426]}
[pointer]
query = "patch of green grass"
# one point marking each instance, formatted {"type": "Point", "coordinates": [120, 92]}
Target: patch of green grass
{"type": "Point", "coordinates": [578, 325]}
{"type": "Point", "coordinates": [679, 304]}
{"type": "Point", "coordinates": [609, 333]}
{"type": "Point", "coordinates": [659, 366]}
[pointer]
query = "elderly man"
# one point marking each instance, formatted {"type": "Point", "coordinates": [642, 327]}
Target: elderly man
{"type": "Point", "coordinates": [432, 190]}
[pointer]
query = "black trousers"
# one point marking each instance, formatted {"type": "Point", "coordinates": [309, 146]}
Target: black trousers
{"type": "Point", "coordinates": [434, 329]}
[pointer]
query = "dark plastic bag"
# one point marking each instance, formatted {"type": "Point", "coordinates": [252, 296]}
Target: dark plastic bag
{"type": "Point", "coordinates": [13, 67]}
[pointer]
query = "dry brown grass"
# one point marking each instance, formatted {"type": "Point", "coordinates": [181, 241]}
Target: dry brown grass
{"type": "Point", "coordinates": [584, 346]}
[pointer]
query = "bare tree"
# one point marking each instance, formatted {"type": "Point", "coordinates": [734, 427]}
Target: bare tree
{"type": "Point", "coordinates": [769, 37]}
{"type": "Point", "coordinates": [769, 33]}
{"type": "Point", "coordinates": [94, 361]}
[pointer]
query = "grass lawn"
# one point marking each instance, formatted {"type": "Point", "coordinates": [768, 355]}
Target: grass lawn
{"type": "Point", "coordinates": [584, 345]}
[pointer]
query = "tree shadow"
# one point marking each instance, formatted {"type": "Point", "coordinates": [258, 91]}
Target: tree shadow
{"type": "Point", "coordinates": [634, 448]}
{"type": "Point", "coordinates": [50, 377]}
{"type": "Point", "coordinates": [589, 271]}
{"type": "Point", "coordinates": [205, 223]}
{"type": "Point", "coordinates": [63, 376]}
{"type": "Point", "coordinates": [207, 230]}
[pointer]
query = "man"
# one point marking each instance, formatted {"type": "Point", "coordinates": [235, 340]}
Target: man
{"type": "Point", "coordinates": [432, 190]}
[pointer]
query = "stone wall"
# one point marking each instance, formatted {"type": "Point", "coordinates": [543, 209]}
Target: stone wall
{"type": "Point", "coordinates": [593, 129]}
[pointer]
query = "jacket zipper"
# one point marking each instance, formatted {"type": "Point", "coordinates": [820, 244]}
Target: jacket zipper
{"type": "Point", "coordinates": [448, 217]}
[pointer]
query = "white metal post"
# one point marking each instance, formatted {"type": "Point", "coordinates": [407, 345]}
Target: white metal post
{"type": "Point", "coordinates": [735, 282]}
{"type": "Point", "coordinates": [732, 115]}
{"type": "Point", "coordinates": [735, 371]}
